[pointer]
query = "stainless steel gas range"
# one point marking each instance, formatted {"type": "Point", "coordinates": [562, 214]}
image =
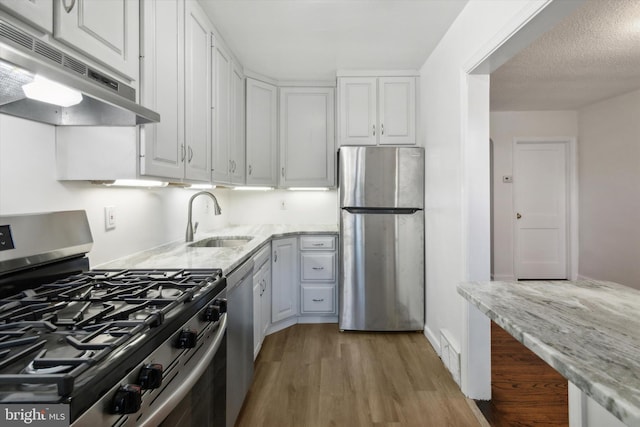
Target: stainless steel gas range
{"type": "Point", "coordinates": [104, 347]}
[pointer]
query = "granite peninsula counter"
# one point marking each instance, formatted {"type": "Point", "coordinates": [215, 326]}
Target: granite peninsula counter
{"type": "Point", "coordinates": [589, 331]}
{"type": "Point", "coordinates": [179, 255]}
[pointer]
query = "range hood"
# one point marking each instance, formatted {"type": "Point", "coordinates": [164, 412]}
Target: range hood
{"type": "Point", "coordinates": [105, 101]}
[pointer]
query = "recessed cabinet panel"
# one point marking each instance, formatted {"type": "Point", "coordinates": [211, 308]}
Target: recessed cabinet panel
{"type": "Point", "coordinates": [358, 111]}
{"type": "Point", "coordinates": [262, 134]}
{"type": "Point", "coordinates": [318, 266]}
{"type": "Point", "coordinates": [285, 283]}
{"type": "Point", "coordinates": [318, 299]}
{"type": "Point", "coordinates": [104, 30]}
{"type": "Point", "coordinates": [38, 13]}
{"type": "Point", "coordinates": [221, 164]}
{"type": "Point", "coordinates": [397, 97]}
{"type": "Point", "coordinates": [307, 145]}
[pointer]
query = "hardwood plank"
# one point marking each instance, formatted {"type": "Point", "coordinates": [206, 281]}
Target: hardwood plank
{"type": "Point", "coordinates": [316, 376]}
{"type": "Point", "coordinates": [525, 391]}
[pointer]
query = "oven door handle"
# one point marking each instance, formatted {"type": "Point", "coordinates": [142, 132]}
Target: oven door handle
{"type": "Point", "coordinates": [164, 407]}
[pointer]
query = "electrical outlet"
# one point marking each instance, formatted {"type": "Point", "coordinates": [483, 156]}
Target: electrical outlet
{"type": "Point", "coordinates": [283, 205]}
{"type": "Point", "coordinates": [109, 217]}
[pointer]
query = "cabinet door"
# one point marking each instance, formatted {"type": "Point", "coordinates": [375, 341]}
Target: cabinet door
{"type": "Point", "coordinates": [236, 141]}
{"type": "Point", "coordinates": [284, 279]}
{"type": "Point", "coordinates": [262, 133]}
{"type": "Point", "coordinates": [220, 152]}
{"type": "Point", "coordinates": [162, 87]}
{"type": "Point", "coordinates": [38, 13]}
{"type": "Point", "coordinates": [257, 315]}
{"type": "Point", "coordinates": [307, 145]}
{"type": "Point", "coordinates": [197, 93]}
{"type": "Point", "coordinates": [107, 31]}
{"type": "Point", "coordinates": [357, 111]}
{"type": "Point", "coordinates": [265, 309]}
{"type": "Point", "coordinates": [397, 110]}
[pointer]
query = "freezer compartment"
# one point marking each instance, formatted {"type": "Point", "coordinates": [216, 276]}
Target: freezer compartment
{"type": "Point", "coordinates": [381, 271]}
{"type": "Point", "coordinates": [381, 177]}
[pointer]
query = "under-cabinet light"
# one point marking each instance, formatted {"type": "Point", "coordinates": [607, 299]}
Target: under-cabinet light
{"type": "Point", "coordinates": [132, 183]}
{"type": "Point", "coordinates": [308, 189]}
{"type": "Point", "coordinates": [200, 187]}
{"type": "Point", "coordinates": [253, 188]}
{"type": "Point", "coordinates": [45, 90]}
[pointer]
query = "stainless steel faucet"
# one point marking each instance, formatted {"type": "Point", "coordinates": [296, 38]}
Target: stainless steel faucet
{"type": "Point", "coordinates": [216, 211]}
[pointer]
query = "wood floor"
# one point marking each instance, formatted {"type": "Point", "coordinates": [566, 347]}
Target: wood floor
{"type": "Point", "coordinates": [314, 375]}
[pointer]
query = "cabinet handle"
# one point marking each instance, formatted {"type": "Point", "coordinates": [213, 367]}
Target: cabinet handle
{"type": "Point", "coordinates": [234, 166]}
{"type": "Point", "coordinates": [68, 7]}
{"type": "Point", "coordinates": [283, 172]}
{"type": "Point", "coordinates": [249, 169]}
{"type": "Point", "coordinates": [317, 268]}
{"type": "Point", "coordinates": [275, 256]}
{"type": "Point", "coordinates": [190, 154]}
{"type": "Point", "coordinates": [374, 130]}
{"type": "Point", "coordinates": [184, 153]}
{"type": "Point", "coordinates": [317, 299]}
{"type": "Point", "coordinates": [382, 128]}
{"type": "Point", "coordinates": [318, 244]}
{"type": "Point", "coordinates": [230, 166]}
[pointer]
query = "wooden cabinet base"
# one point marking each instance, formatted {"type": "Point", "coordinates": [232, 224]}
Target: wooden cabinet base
{"type": "Point", "coordinates": [525, 391]}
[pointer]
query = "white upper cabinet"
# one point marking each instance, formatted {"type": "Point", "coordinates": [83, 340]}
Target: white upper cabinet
{"type": "Point", "coordinates": [38, 13]}
{"type": "Point", "coordinates": [228, 142]}
{"type": "Point", "coordinates": [104, 30]}
{"type": "Point", "coordinates": [262, 133]}
{"type": "Point", "coordinates": [176, 43]}
{"type": "Point", "coordinates": [376, 110]}
{"type": "Point", "coordinates": [307, 143]}
{"type": "Point", "coordinates": [197, 93]}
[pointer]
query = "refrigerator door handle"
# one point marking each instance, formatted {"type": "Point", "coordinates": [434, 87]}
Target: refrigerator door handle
{"type": "Point", "coordinates": [394, 211]}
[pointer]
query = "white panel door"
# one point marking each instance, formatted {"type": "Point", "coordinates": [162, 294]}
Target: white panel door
{"type": "Point", "coordinates": [284, 275]}
{"type": "Point", "coordinates": [307, 145]}
{"type": "Point", "coordinates": [220, 151]}
{"type": "Point", "coordinates": [39, 13]}
{"type": "Point", "coordinates": [107, 31]}
{"type": "Point", "coordinates": [237, 126]}
{"type": "Point", "coordinates": [397, 110]}
{"type": "Point", "coordinates": [357, 111]}
{"type": "Point", "coordinates": [540, 201]}
{"type": "Point", "coordinates": [262, 133]}
{"type": "Point", "coordinates": [163, 87]}
{"type": "Point", "coordinates": [197, 93]}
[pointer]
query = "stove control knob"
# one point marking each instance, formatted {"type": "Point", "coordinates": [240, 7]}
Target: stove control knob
{"type": "Point", "coordinates": [221, 303]}
{"type": "Point", "coordinates": [127, 400]}
{"type": "Point", "coordinates": [187, 339]}
{"type": "Point", "coordinates": [211, 313]}
{"type": "Point", "coordinates": [150, 376]}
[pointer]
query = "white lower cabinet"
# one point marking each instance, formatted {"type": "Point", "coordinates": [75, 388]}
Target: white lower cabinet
{"type": "Point", "coordinates": [318, 272]}
{"type": "Point", "coordinates": [284, 275]}
{"type": "Point", "coordinates": [261, 297]}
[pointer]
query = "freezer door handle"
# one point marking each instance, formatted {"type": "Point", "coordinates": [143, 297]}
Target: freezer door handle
{"type": "Point", "coordinates": [386, 211]}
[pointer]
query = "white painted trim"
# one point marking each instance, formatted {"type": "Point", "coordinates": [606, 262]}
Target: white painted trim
{"type": "Point", "coordinates": [377, 73]}
{"type": "Point", "coordinates": [572, 200]}
{"type": "Point", "coordinates": [305, 83]}
{"type": "Point", "coordinates": [433, 340]}
{"type": "Point", "coordinates": [318, 319]}
{"type": "Point", "coordinates": [284, 324]}
{"type": "Point", "coordinates": [259, 77]}
{"type": "Point", "coordinates": [503, 277]}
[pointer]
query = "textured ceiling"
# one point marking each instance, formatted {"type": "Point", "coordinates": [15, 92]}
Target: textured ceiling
{"type": "Point", "coordinates": [311, 39]}
{"type": "Point", "coordinates": [592, 55]}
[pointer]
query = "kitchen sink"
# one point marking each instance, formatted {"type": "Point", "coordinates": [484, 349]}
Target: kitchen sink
{"type": "Point", "coordinates": [221, 242]}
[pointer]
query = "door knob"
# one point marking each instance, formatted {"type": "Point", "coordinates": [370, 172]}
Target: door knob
{"type": "Point", "coordinates": [518, 215]}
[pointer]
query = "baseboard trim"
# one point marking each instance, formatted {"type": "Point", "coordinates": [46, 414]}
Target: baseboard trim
{"type": "Point", "coordinates": [433, 340]}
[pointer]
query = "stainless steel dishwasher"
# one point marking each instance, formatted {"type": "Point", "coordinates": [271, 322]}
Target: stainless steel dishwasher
{"type": "Point", "coordinates": [239, 338]}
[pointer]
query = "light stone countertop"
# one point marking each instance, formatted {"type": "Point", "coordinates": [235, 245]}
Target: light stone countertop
{"type": "Point", "coordinates": [179, 255]}
{"type": "Point", "coordinates": [589, 331]}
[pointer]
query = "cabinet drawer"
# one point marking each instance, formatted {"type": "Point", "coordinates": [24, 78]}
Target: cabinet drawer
{"type": "Point", "coordinates": [317, 299]}
{"type": "Point", "coordinates": [318, 266]}
{"type": "Point", "coordinates": [317, 243]}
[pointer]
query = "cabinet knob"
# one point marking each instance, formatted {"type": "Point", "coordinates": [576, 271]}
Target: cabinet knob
{"type": "Point", "coordinates": [518, 216]}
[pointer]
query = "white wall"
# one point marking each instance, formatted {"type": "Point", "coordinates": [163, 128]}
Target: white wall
{"type": "Point", "coordinates": [145, 218]}
{"type": "Point", "coordinates": [451, 169]}
{"type": "Point", "coordinates": [300, 207]}
{"type": "Point", "coordinates": [505, 126]}
{"type": "Point", "coordinates": [609, 175]}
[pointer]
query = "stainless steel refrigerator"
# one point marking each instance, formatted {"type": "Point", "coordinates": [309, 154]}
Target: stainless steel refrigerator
{"type": "Point", "coordinates": [381, 238]}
